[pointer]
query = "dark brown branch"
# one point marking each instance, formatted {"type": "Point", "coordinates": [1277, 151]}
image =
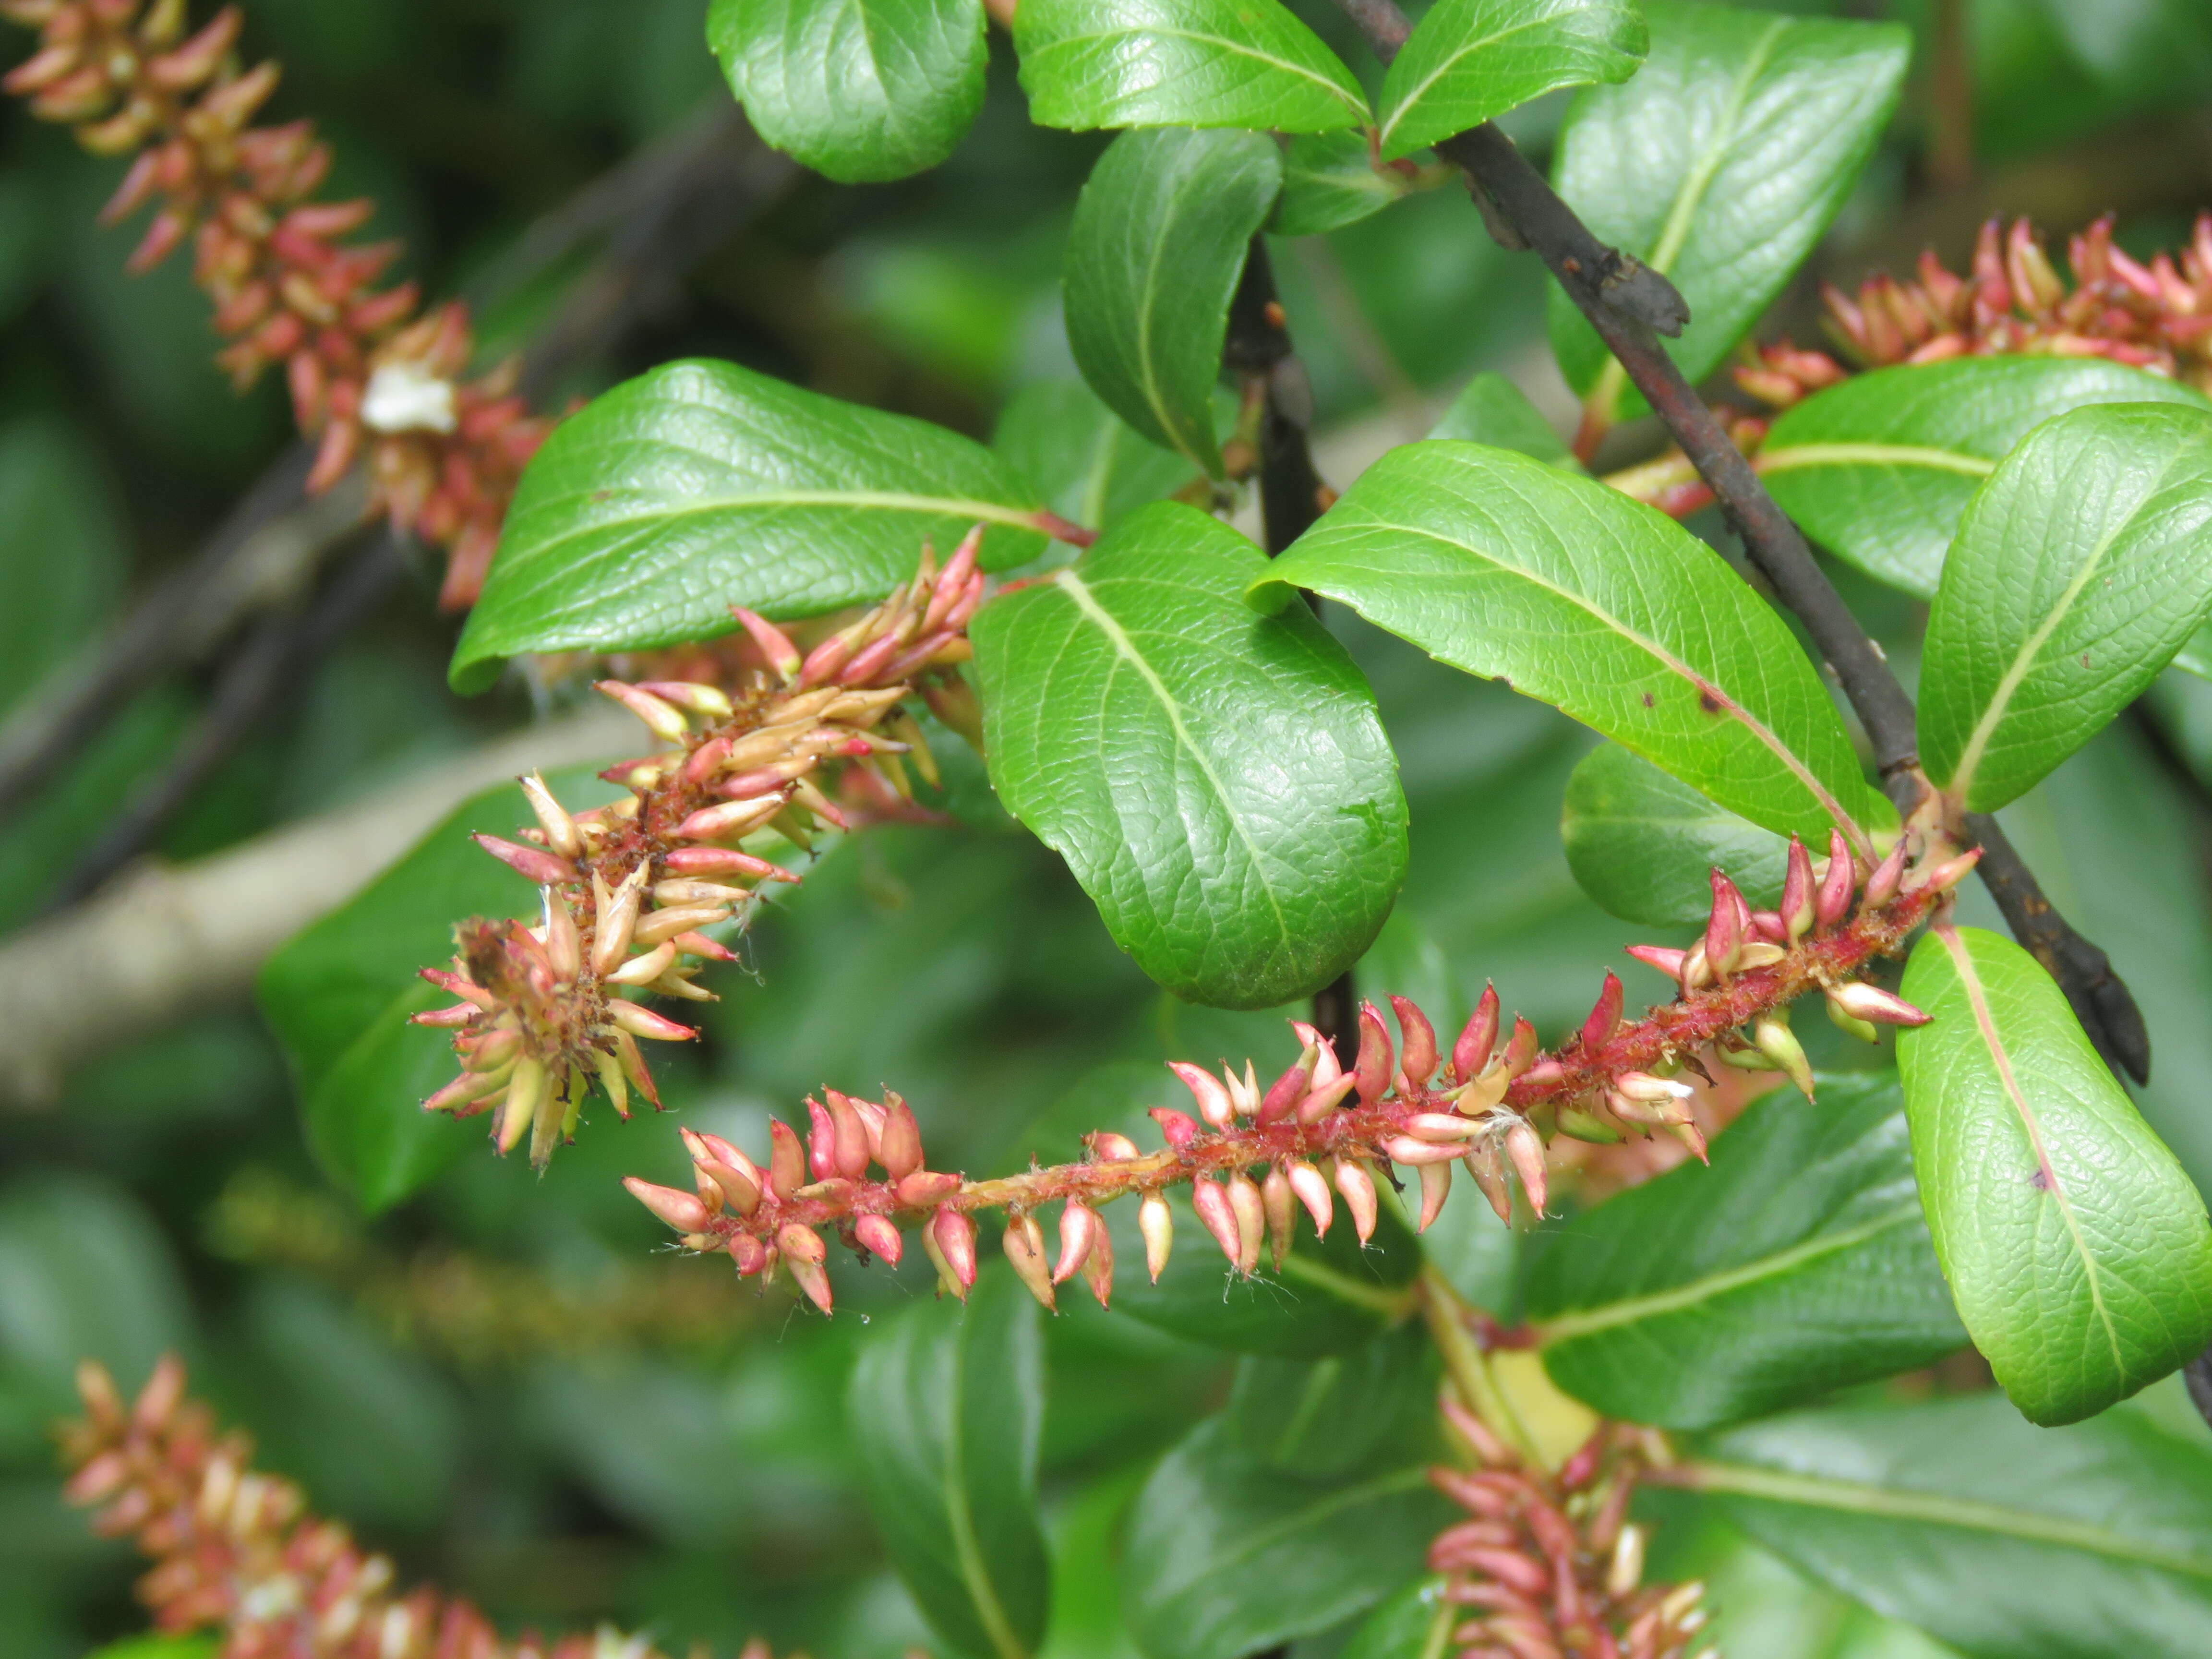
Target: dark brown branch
{"type": "Point", "coordinates": [1257, 349]}
{"type": "Point", "coordinates": [1631, 305]}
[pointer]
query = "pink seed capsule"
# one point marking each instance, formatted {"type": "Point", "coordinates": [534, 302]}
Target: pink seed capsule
{"type": "Point", "coordinates": [880, 1237]}
{"type": "Point", "coordinates": [1107, 1147]}
{"type": "Point", "coordinates": [1213, 1097]}
{"type": "Point", "coordinates": [952, 1236]}
{"type": "Point", "coordinates": [1724, 928]}
{"type": "Point", "coordinates": [1325, 1067]}
{"type": "Point", "coordinates": [1079, 1230]}
{"type": "Point", "coordinates": [1288, 1090]}
{"type": "Point", "coordinates": [1471, 1053]}
{"type": "Point", "coordinates": [1371, 1071]}
{"type": "Point", "coordinates": [926, 1187]}
{"type": "Point", "coordinates": [786, 1164]}
{"type": "Point", "coordinates": [900, 1148]}
{"type": "Point", "coordinates": [1668, 962]}
{"type": "Point", "coordinates": [1418, 1039]}
{"type": "Point", "coordinates": [1180, 1128]}
{"type": "Point", "coordinates": [1526, 1148]}
{"type": "Point", "coordinates": [680, 1210]}
{"type": "Point", "coordinates": [1326, 1098]}
{"type": "Point", "coordinates": [749, 1253]}
{"type": "Point", "coordinates": [1211, 1199]}
{"type": "Point", "coordinates": [1436, 1186]}
{"type": "Point", "coordinates": [1797, 893]}
{"type": "Point", "coordinates": [1873, 1003]}
{"type": "Point", "coordinates": [1024, 1248]}
{"type": "Point", "coordinates": [532, 863]}
{"type": "Point", "coordinates": [1250, 1209]}
{"type": "Point", "coordinates": [849, 1155]}
{"type": "Point", "coordinates": [821, 1141]}
{"type": "Point", "coordinates": [1156, 1221]}
{"type": "Point", "coordinates": [1312, 1191]}
{"type": "Point", "coordinates": [1281, 1205]}
{"type": "Point", "coordinates": [1881, 886]}
{"type": "Point", "coordinates": [1357, 1188]}
{"type": "Point", "coordinates": [1833, 902]}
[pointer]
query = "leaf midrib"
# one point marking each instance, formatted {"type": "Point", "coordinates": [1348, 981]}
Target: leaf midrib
{"type": "Point", "coordinates": [1790, 457]}
{"type": "Point", "coordinates": [974, 1573]}
{"type": "Point", "coordinates": [892, 501]}
{"type": "Point", "coordinates": [1125, 648]}
{"type": "Point", "coordinates": [1691, 194]}
{"type": "Point", "coordinates": [2007, 687]}
{"type": "Point", "coordinates": [1971, 1514]}
{"type": "Point", "coordinates": [1236, 48]}
{"type": "Point", "coordinates": [1781, 750]}
{"type": "Point", "coordinates": [1971, 981]}
{"type": "Point", "coordinates": [1681, 1297]}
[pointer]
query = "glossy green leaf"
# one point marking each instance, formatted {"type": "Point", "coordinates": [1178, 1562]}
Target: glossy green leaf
{"type": "Point", "coordinates": [1469, 60]}
{"type": "Point", "coordinates": [1181, 63]}
{"type": "Point", "coordinates": [1583, 599]}
{"type": "Point", "coordinates": [1798, 1263]}
{"type": "Point", "coordinates": [1158, 243]}
{"type": "Point", "coordinates": [1412, 1624]}
{"type": "Point", "coordinates": [945, 1407]}
{"type": "Point", "coordinates": [1330, 180]}
{"type": "Point", "coordinates": [2078, 1251]}
{"type": "Point", "coordinates": [1645, 846]}
{"type": "Point", "coordinates": [1879, 469]}
{"type": "Point", "coordinates": [338, 996]}
{"type": "Point", "coordinates": [2005, 1541]}
{"type": "Point", "coordinates": [2079, 570]}
{"type": "Point", "coordinates": [1303, 1504]}
{"type": "Point", "coordinates": [1720, 164]}
{"type": "Point", "coordinates": [858, 89]}
{"type": "Point", "coordinates": [1218, 780]}
{"type": "Point", "coordinates": [700, 485]}
{"type": "Point", "coordinates": [1084, 460]}
{"type": "Point", "coordinates": [1490, 409]}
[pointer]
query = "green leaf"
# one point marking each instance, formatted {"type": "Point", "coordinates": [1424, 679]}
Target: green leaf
{"type": "Point", "coordinates": [1879, 469]}
{"type": "Point", "coordinates": [1302, 1506]}
{"type": "Point", "coordinates": [2005, 1541]}
{"type": "Point", "coordinates": [1469, 60]}
{"type": "Point", "coordinates": [858, 89]}
{"type": "Point", "coordinates": [338, 996]}
{"type": "Point", "coordinates": [2081, 568]}
{"type": "Point", "coordinates": [158, 1647]}
{"type": "Point", "coordinates": [1154, 256]}
{"type": "Point", "coordinates": [1329, 181]}
{"type": "Point", "coordinates": [946, 1406]}
{"type": "Point", "coordinates": [1490, 409]}
{"type": "Point", "coordinates": [1719, 166]}
{"type": "Point", "coordinates": [1084, 460]}
{"type": "Point", "coordinates": [2077, 1249]}
{"type": "Point", "coordinates": [1583, 599]}
{"type": "Point", "coordinates": [1181, 63]}
{"type": "Point", "coordinates": [700, 485]}
{"type": "Point", "coordinates": [1645, 846]}
{"type": "Point", "coordinates": [1413, 1624]}
{"type": "Point", "coordinates": [1797, 1264]}
{"type": "Point", "coordinates": [1218, 780]}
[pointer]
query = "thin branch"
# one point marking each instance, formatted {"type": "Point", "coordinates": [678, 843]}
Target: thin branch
{"type": "Point", "coordinates": [1631, 305]}
{"type": "Point", "coordinates": [282, 649]}
{"type": "Point", "coordinates": [166, 941]}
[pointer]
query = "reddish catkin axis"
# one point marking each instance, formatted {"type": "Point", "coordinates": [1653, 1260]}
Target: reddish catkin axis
{"type": "Point", "coordinates": [627, 888]}
{"type": "Point", "coordinates": [370, 376]}
{"type": "Point", "coordinates": [238, 1552]}
{"type": "Point", "coordinates": [1317, 1133]}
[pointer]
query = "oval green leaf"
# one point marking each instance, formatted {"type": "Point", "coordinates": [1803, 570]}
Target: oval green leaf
{"type": "Point", "coordinates": [2080, 569]}
{"type": "Point", "coordinates": [1645, 846]}
{"type": "Point", "coordinates": [1329, 181]}
{"type": "Point", "coordinates": [946, 1406]}
{"type": "Point", "coordinates": [857, 89]}
{"type": "Point", "coordinates": [1088, 464]}
{"type": "Point", "coordinates": [1256, 1529]}
{"type": "Point", "coordinates": [1879, 469]}
{"type": "Point", "coordinates": [1719, 166]}
{"type": "Point", "coordinates": [2078, 1251]}
{"type": "Point", "coordinates": [1581, 598]}
{"type": "Point", "coordinates": [1159, 240]}
{"type": "Point", "coordinates": [700, 485]}
{"type": "Point", "coordinates": [1490, 409]}
{"type": "Point", "coordinates": [2005, 1541]}
{"type": "Point", "coordinates": [1798, 1263]}
{"type": "Point", "coordinates": [1469, 60]}
{"type": "Point", "coordinates": [1218, 780]}
{"type": "Point", "coordinates": [1181, 63]}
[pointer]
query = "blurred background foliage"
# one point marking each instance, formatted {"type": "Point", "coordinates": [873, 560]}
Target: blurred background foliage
{"type": "Point", "coordinates": [499, 1380]}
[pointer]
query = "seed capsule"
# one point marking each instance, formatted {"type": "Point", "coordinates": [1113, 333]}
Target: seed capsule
{"type": "Point", "coordinates": [1357, 1188]}
{"type": "Point", "coordinates": [1157, 1222]}
{"type": "Point", "coordinates": [1024, 1246]}
{"type": "Point", "coordinates": [1211, 1199]}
